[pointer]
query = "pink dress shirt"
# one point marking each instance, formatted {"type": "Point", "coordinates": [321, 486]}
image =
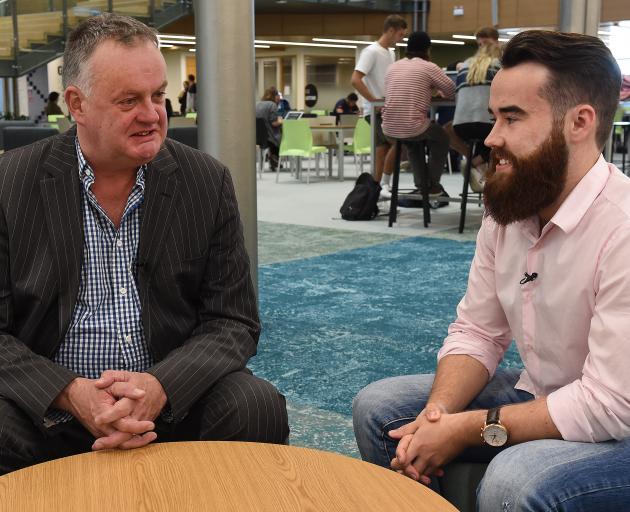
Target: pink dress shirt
{"type": "Point", "coordinates": [571, 324]}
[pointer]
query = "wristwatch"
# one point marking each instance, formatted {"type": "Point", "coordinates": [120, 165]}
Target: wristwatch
{"type": "Point", "coordinates": [493, 433]}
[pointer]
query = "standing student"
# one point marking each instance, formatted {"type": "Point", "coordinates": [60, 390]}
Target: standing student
{"type": "Point", "coordinates": [369, 79]}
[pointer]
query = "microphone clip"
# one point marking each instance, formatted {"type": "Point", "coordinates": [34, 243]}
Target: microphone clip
{"type": "Point", "coordinates": [529, 277]}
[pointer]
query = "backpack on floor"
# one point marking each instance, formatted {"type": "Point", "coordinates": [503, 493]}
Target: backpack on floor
{"type": "Point", "coordinates": [360, 204]}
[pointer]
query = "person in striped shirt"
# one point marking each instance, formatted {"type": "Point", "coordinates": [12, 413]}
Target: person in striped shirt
{"type": "Point", "coordinates": [409, 86]}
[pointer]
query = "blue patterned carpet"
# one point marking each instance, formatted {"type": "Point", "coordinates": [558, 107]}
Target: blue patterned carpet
{"type": "Point", "coordinates": [334, 323]}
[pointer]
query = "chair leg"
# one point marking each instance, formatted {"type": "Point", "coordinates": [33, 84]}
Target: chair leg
{"type": "Point", "coordinates": [393, 202]}
{"type": "Point", "coordinates": [462, 215]}
{"type": "Point", "coordinates": [360, 164]}
{"type": "Point", "coordinates": [426, 206]}
{"type": "Point", "coordinates": [278, 168]}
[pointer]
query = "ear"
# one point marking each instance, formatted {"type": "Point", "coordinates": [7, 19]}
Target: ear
{"type": "Point", "coordinates": [75, 100]}
{"type": "Point", "coordinates": [581, 123]}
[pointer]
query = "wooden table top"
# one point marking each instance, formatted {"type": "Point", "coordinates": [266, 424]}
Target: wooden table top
{"type": "Point", "coordinates": [198, 476]}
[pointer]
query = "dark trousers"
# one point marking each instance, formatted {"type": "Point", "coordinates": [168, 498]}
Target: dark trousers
{"type": "Point", "coordinates": [274, 155]}
{"type": "Point", "coordinates": [240, 407]}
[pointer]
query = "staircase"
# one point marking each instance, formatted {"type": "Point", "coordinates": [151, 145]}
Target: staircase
{"type": "Point", "coordinates": [41, 33]}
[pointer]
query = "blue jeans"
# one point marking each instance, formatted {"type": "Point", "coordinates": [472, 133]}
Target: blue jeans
{"type": "Point", "coordinates": [534, 476]}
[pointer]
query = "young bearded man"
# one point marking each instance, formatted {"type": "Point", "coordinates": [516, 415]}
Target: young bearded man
{"type": "Point", "coordinates": [127, 311]}
{"type": "Point", "coordinates": [550, 271]}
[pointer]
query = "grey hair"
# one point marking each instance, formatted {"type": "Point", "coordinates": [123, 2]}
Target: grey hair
{"type": "Point", "coordinates": [83, 41]}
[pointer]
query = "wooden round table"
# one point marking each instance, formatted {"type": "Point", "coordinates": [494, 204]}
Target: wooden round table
{"type": "Point", "coordinates": [198, 476]}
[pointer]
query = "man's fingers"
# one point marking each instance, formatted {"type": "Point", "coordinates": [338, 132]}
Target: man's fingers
{"type": "Point", "coordinates": [139, 441]}
{"type": "Point", "coordinates": [432, 412]}
{"type": "Point", "coordinates": [133, 426]}
{"type": "Point", "coordinates": [126, 390]}
{"type": "Point", "coordinates": [398, 433]}
{"type": "Point", "coordinates": [401, 449]}
{"type": "Point", "coordinates": [111, 441]}
{"type": "Point", "coordinates": [108, 377]}
{"type": "Point", "coordinates": [119, 410]}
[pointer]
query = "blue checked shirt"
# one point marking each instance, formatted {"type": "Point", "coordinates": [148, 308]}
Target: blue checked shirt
{"type": "Point", "coordinates": [106, 331]}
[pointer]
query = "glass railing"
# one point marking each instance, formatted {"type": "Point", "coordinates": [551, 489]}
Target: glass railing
{"type": "Point", "coordinates": [33, 32]}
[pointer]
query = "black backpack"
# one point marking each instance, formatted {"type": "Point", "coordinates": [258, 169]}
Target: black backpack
{"type": "Point", "coordinates": [360, 204]}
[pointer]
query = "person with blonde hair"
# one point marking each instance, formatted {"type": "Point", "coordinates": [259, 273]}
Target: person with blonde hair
{"type": "Point", "coordinates": [472, 119]}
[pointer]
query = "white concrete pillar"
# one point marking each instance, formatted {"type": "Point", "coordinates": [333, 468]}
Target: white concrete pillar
{"type": "Point", "coordinates": [226, 101]}
{"type": "Point", "coordinates": [581, 16]}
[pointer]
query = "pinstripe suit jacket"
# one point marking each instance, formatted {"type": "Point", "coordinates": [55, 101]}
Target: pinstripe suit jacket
{"type": "Point", "coordinates": [199, 310]}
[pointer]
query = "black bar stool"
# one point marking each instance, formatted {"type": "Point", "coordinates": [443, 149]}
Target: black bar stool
{"type": "Point", "coordinates": [472, 147]}
{"type": "Point", "coordinates": [424, 171]}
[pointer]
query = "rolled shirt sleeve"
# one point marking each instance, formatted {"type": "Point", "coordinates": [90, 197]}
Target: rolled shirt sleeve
{"type": "Point", "coordinates": [596, 407]}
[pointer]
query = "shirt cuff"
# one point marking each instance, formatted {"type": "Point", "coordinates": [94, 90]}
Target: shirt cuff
{"type": "Point", "coordinates": [568, 415]}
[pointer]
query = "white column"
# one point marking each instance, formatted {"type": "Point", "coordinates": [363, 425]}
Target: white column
{"type": "Point", "coordinates": [581, 16]}
{"type": "Point", "coordinates": [298, 94]}
{"type": "Point", "coordinates": [226, 101]}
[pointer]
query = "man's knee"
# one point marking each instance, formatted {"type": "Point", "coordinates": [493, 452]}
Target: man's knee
{"type": "Point", "coordinates": [18, 438]}
{"type": "Point", "coordinates": [245, 408]}
{"type": "Point", "coordinates": [515, 482]}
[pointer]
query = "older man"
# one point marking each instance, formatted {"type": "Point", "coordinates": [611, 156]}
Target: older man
{"type": "Point", "coordinates": [550, 271]}
{"type": "Point", "coordinates": [127, 312]}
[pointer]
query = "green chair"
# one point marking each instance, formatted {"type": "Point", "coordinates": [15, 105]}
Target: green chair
{"type": "Point", "coordinates": [191, 115]}
{"type": "Point", "coordinates": [318, 112]}
{"type": "Point", "coordinates": [297, 141]}
{"type": "Point", "coordinates": [361, 141]}
{"type": "Point", "coordinates": [53, 118]}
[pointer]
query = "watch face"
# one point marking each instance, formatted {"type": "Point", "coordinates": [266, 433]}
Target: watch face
{"type": "Point", "coordinates": [495, 435]}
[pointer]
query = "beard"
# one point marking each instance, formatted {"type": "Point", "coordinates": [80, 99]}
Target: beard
{"type": "Point", "coordinates": [533, 183]}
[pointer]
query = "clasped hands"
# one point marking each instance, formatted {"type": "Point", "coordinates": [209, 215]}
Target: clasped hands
{"type": "Point", "coordinates": [118, 408]}
{"type": "Point", "coordinates": [426, 444]}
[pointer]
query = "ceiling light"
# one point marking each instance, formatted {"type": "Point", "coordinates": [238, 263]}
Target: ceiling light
{"type": "Point", "coordinates": [167, 45]}
{"type": "Point", "coordinates": [504, 39]}
{"type": "Point", "coordinates": [512, 32]}
{"type": "Point", "coordinates": [174, 36]}
{"type": "Point", "coordinates": [437, 41]}
{"type": "Point", "coordinates": [262, 46]}
{"type": "Point", "coordinates": [192, 50]}
{"type": "Point", "coordinates": [171, 41]}
{"type": "Point", "coordinates": [460, 36]}
{"type": "Point", "coordinates": [292, 43]}
{"type": "Point", "coordinates": [347, 41]}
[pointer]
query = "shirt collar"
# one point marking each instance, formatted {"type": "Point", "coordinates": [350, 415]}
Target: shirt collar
{"type": "Point", "coordinates": [582, 196]}
{"type": "Point", "coordinates": [86, 174]}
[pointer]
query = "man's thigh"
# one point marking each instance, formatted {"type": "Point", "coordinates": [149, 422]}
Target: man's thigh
{"type": "Point", "coordinates": [558, 475]}
{"type": "Point", "coordinates": [239, 407]}
{"type": "Point", "coordinates": [22, 444]}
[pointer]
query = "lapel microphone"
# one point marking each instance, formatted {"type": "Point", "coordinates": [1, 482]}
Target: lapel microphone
{"type": "Point", "coordinates": [529, 277]}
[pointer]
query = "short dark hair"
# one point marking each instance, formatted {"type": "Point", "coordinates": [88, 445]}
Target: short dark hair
{"type": "Point", "coordinates": [191, 78]}
{"type": "Point", "coordinates": [487, 33]}
{"type": "Point", "coordinates": [394, 21]}
{"type": "Point", "coordinates": [581, 69]}
{"type": "Point", "coordinates": [352, 97]}
{"type": "Point", "coordinates": [53, 96]}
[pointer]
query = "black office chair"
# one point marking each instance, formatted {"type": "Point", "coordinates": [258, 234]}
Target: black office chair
{"type": "Point", "coordinates": [472, 134]}
{"type": "Point", "coordinates": [18, 136]}
{"type": "Point", "coordinates": [262, 141]}
{"type": "Point", "coordinates": [426, 205]}
{"type": "Point", "coordinates": [184, 134]}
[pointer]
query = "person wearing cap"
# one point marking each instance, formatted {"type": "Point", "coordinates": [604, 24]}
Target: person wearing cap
{"type": "Point", "coordinates": [409, 86]}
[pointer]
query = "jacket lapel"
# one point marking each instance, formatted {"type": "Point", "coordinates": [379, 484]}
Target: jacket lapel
{"type": "Point", "coordinates": [64, 217]}
{"type": "Point", "coordinates": [160, 198]}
